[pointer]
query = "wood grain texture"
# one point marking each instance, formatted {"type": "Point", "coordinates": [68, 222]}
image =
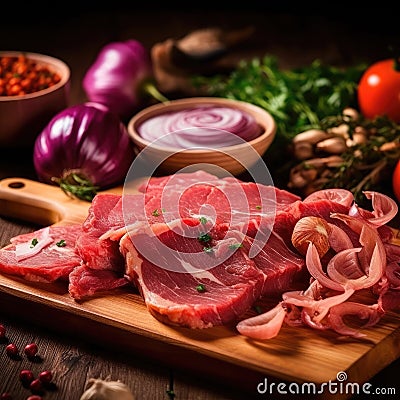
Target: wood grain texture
{"type": "Point", "coordinates": [296, 355]}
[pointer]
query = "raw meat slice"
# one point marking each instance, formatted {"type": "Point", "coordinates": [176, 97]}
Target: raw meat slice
{"type": "Point", "coordinates": [99, 254]}
{"type": "Point", "coordinates": [200, 299]}
{"type": "Point", "coordinates": [95, 253]}
{"type": "Point", "coordinates": [239, 205]}
{"type": "Point", "coordinates": [52, 263]}
{"type": "Point", "coordinates": [103, 263]}
{"type": "Point", "coordinates": [85, 282]}
{"type": "Point", "coordinates": [180, 180]}
{"type": "Point", "coordinates": [229, 204]}
{"type": "Point", "coordinates": [283, 269]}
{"type": "Point", "coordinates": [186, 194]}
{"type": "Point", "coordinates": [171, 269]}
{"type": "Point", "coordinates": [98, 216]}
{"type": "Point", "coordinates": [99, 251]}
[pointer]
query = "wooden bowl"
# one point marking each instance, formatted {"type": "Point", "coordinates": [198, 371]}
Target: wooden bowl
{"type": "Point", "coordinates": [234, 159]}
{"type": "Point", "coordinates": [24, 116]}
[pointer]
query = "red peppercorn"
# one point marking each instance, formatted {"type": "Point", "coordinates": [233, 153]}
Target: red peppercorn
{"type": "Point", "coordinates": [34, 397]}
{"type": "Point", "coordinates": [31, 349]}
{"type": "Point", "coordinates": [14, 70]}
{"type": "Point", "coordinates": [36, 386]}
{"type": "Point", "coordinates": [2, 331]}
{"type": "Point", "coordinates": [12, 350]}
{"type": "Point", "coordinates": [45, 376]}
{"type": "Point", "coordinates": [26, 376]}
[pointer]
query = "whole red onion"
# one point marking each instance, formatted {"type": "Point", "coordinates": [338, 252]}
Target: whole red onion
{"type": "Point", "coordinates": [118, 77]}
{"type": "Point", "coordinates": [86, 145]}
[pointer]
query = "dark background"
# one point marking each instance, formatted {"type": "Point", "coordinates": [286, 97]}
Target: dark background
{"type": "Point", "coordinates": [296, 33]}
{"type": "Point", "coordinates": [339, 34]}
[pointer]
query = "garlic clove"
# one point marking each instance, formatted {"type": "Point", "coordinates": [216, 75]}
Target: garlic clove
{"type": "Point", "coordinates": [106, 390]}
{"type": "Point", "coordinates": [358, 138]}
{"type": "Point", "coordinates": [389, 146]}
{"type": "Point", "coordinates": [312, 136]}
{"type": "Point", "coordinates": [309, 174]}
{"type": "Point", "coordinates": [333, 161]}
{"type": "Point", "coordinates": [334, 145]}
{"type": "Point", "coordinates": [303, 150]}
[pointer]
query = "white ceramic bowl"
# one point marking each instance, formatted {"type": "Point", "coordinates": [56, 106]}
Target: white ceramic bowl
{"type": "Point", "coordinates": [234, 159]}
{"type": "Point", "coordinates": [22, 117]}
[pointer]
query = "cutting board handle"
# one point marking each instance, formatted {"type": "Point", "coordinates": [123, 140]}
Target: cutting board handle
{"type": "Point", "coordinates": [39, 203]}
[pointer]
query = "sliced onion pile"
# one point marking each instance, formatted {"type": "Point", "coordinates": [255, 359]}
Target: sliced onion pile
{"type": "Point", "coordinates": [372, 266]}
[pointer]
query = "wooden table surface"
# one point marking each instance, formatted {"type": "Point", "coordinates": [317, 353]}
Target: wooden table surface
{"type": "Point", "coordinates": [296, 36]}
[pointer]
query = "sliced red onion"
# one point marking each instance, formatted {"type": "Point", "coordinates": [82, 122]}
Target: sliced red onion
{"type": "Point", "coordinates": [371, 313]}
{"type": "Point", "coordinates": [338, 239]}
{"type": "Point", "coordinates": [393, 274]}
{"type": "Point", "coordinates": [338, 195]}
{"type": "Point", "coordinates": [308, 319]}
{"type": "Point", "coordinates": [314, 267]}
{"type": "Point", "coordinates": [263, 326]}
{"type": "Point", "coordinates": [207, 126]}
{"type": "Point", "coordinates": [318, 308]}
{"type": "Point", "coordinates": [345, 265]}
{"type": "Point", "coordinates": [385, 208]}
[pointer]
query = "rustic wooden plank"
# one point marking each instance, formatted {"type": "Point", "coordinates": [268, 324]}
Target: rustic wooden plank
{"type": "Point", "coordinates": [73, 362]}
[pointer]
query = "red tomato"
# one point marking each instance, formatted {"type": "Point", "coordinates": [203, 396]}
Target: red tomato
{"type": "Point", "coordinates": [396, 181]}
{"type": "Point", "coordinates": [379, 90]}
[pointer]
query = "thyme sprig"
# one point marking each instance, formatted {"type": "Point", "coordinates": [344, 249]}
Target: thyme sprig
{"type": "Point", "coordinates": [76, 185]}
{"type": "Point", "coordinates": [369, 165]}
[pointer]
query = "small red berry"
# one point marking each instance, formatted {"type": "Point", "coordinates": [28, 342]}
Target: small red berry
{"type": "Point", "coordinates": [2, 331]}
{"type": "Point", "coordinates": [36, 386]}
{"type": "Point", "coordinates": [12, 350]}
{"type": "Point", "coordinates": [34, 397]}
{"type": "Point", "coordinates": [5, 396]}
{"type": "Point", "coordinates": [26, 376]}
{"type": "Point", "coordinates": [31, 349]}
{"type": "Point", "coordinates": [45, 376]}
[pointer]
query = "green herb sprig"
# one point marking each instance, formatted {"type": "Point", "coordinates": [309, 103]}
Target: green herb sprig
{"type": "Point", "coordinates": [200, 288]}
{"type": "Point", "coordinates": [297, 98]}
{"type": "Point", "coordinates": [74, 184]}
{"type": "Point", "coordinates": [369, 165]}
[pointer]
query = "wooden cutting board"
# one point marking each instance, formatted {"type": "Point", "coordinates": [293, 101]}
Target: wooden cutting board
{"type": "Point", "coordinates": [299, 355]}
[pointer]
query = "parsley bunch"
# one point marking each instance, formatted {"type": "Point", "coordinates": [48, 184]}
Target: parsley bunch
{"type": "Point", "coordinates": [298, 98]}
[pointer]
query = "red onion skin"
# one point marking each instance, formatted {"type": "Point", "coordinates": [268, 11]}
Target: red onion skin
{"type": "Point", "coordinates": [117, 75]}
{"type": "Point", "coordinates": [85, 137]}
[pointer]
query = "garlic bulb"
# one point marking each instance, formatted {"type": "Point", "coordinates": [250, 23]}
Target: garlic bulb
{"type": "Point", "coordinates": [106, 390]}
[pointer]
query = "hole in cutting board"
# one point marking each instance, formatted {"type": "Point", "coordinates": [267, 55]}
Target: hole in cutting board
{"type": "Point", "coordinates": [16, 185]}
